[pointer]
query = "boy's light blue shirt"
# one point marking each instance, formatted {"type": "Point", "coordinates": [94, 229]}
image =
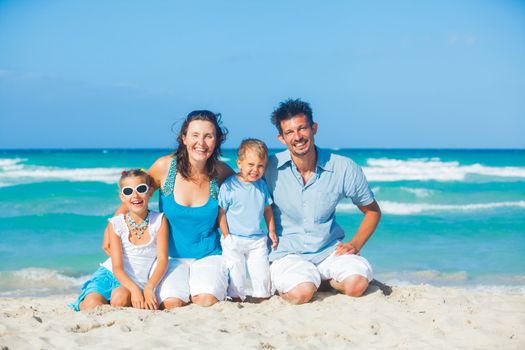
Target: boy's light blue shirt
{"type": "Point", "coordinates": [305, 214]}
{"type": "Point", "coordinates": [244, 204]}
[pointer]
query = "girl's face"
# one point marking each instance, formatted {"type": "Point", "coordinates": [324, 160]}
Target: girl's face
{"type": "Point", "coordinates": [200, 140]}
{"type": "Point", "coordinates": [136, 202]}
{"type": "Point", "coordinates": [251, 166]}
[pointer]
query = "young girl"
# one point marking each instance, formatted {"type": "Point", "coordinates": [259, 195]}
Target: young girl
{"type": "Point", "coordinates": [244, 200]}
{"type": "Point", "coordinates": [137, 239]}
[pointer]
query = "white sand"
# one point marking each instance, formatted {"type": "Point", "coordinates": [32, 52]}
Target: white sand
{"type": "Point", "coordinates": [419, 317]}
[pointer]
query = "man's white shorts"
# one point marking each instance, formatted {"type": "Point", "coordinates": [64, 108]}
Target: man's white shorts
{"type": "Point", "coordinates": [292, 270]}
{"type": "Point", "coordinates": [186, 277]}
{"type": "Point", "coordinates": [243, 253]}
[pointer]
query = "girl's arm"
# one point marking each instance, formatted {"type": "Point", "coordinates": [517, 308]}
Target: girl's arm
{"type": "Point", "coordinates": [157, 171]}
{"type": "Point", "coordinates": [270, 223]}
{"type": "Point", "coordinates": [137, 299]}
{"type": "Point", "coordinates": [160, 269]}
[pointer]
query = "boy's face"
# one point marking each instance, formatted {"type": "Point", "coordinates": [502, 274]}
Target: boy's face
{"type": "Point", "coordinates": [251, 166]}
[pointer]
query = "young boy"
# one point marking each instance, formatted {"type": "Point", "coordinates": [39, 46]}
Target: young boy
{"type": "Point", "coordinates": [244, 200]}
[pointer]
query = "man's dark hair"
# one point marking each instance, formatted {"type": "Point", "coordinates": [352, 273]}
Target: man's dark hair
{"type": "Point", "coordinates": [289, 109]}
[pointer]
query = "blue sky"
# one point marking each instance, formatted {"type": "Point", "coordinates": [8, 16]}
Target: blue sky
{"type": "Point", "coordinates": [378, 74]}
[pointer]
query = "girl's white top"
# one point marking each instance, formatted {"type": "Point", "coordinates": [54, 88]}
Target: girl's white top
{"type": "Point", "coordinates": [137, 259]}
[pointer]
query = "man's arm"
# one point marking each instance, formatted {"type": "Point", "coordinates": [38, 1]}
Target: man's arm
{"type": "Point", "coordinates": [372, 215]}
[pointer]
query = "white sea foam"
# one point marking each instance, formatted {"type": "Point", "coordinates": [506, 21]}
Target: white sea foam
{"type": "Point", "coordinates": [426, 169]}
{"type": "Point", "coordinates": [8, 164]}
{"type": "Point", "coordinates": [419, 192]}
{"type": "Point", "coordinates": [480, 283]}
{"type": "Point", "coordinates": [397, 208]}
{"type": "Point", "coordinates": [38, 281]}
{"type": "Point", "coordinates": [14, 172]}
{"type": "Point", "coordinates": [424, 276]}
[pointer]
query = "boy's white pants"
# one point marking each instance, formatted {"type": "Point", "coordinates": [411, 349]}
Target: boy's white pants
{"type": "Point", "coordinates": [241, 253]}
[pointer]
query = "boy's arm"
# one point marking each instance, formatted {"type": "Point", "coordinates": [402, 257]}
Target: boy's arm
{"type": "Point", "coordinates": [117, 265]}
{"type": "Point", "coordinates": [160, 269]}
{"type": "Point", "coordinates": [270, 223]}
{"type": "Point", "coordinates": [223, 223]}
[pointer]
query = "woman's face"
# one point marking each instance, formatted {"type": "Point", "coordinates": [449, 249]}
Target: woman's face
{"type": "Point", "coordinates": [200, 140]}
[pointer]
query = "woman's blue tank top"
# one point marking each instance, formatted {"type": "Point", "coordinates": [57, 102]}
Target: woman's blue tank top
{"type": "Point", "coordinates": [193, 230]}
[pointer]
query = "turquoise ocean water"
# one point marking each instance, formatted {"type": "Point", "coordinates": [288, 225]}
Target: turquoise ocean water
{"type": "Point", "coordinates": [450, 217]}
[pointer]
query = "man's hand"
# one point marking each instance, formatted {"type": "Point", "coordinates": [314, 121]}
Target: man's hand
{"type": "Point", "coordinates": [275, 240]}
{"type": "Point", "coordinates": [346, 248]}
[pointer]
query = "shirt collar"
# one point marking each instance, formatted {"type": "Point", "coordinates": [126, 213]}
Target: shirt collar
{"type": "Point", "coordinates": [323, 158]}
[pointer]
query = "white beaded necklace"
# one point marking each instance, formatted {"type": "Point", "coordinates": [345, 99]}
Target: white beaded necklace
{"type": "Point", "coordinates": [137, 229]}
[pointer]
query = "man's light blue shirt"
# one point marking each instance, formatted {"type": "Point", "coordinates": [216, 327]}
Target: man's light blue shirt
{"type": "Point", "coordinates": [244, 204]}
{"type": "Point", "coordinates": [305, 213]}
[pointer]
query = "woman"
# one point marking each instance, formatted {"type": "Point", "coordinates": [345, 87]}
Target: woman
{"type": "Point", "coordinates": [189, 183]}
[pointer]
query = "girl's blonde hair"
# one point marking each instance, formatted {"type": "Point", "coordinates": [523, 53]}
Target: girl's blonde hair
{"type": "Point", "coordinates": [136, 173]}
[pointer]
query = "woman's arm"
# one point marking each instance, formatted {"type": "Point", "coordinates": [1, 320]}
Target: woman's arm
{"type": "Point", "coordinates": [224, 172]}
{"type": "Point", "coordinates": [106, 244]}
{"type": "Point", "coordinates": [160, 269]}
{"type": "Point", "coordinates": [117, 265]}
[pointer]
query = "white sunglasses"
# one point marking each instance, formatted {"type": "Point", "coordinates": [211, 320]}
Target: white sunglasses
{"type": "Point", "coordinates": [128, 190]}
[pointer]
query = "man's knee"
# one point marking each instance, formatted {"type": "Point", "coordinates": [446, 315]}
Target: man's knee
{"type": "Point", "coordinates": [204, 299]}
{"type": "Point", "coordinates": [354, 286]}
{"type": "Point", "coordinates": [300, 294]}
{"type": "Point", "coordinates": [172, 303]}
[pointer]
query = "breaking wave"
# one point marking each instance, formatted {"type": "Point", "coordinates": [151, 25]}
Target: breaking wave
{"type": "Point", "coordinates": [13, 171]}
{"type": "Point", "coordinates": [38, 281]}
{"type": "Point", "coordinates": [397, 208]}
{"type": "Point", "coordinates": [427, 169]}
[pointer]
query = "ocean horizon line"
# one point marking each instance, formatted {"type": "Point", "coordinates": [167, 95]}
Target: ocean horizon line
{"type": "Point", "coordinates": [101, 149]}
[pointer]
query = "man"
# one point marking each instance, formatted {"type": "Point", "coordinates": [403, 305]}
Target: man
{"type": "Point", "coordinates": [307, 183]}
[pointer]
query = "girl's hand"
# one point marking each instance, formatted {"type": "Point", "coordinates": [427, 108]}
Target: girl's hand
{"type": "Point", "coordinates": [137, 299]}
{"type": "Point", "coordinates": [275, 240]}
{"type": "Point", "coordinates": [149, 298]}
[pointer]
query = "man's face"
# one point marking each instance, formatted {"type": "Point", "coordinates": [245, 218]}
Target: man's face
{"type": "Point", "coordinates": [298, 135]}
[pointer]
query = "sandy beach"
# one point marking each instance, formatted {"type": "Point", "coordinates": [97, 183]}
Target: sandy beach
{"type": "Point", "coordinates": [421, 317]}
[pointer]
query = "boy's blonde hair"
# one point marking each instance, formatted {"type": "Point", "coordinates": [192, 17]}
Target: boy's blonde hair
{"type": "Point", "coordinates": [254, 145]}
